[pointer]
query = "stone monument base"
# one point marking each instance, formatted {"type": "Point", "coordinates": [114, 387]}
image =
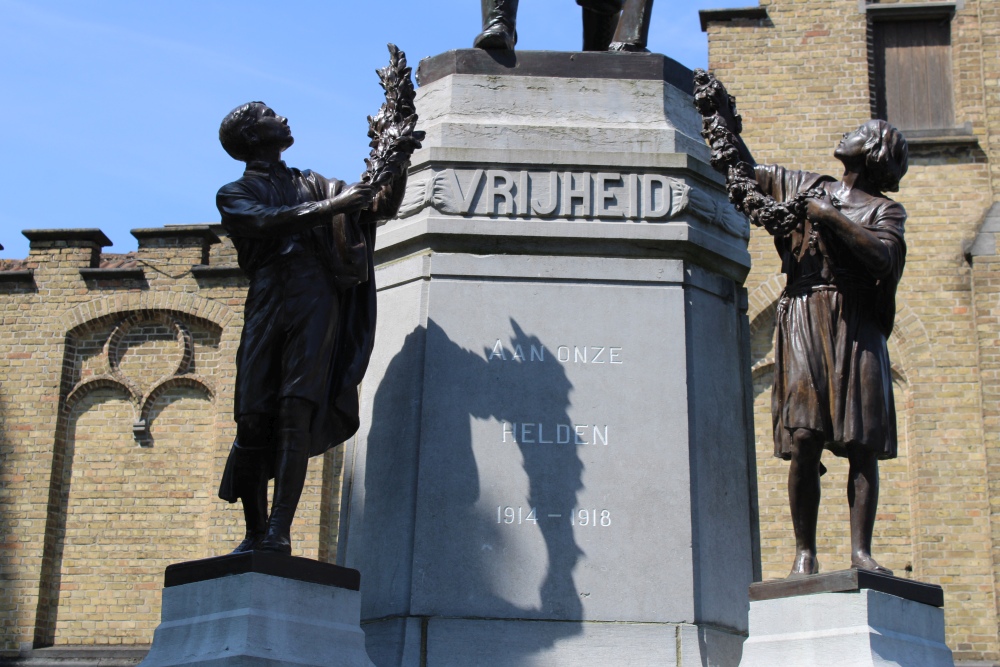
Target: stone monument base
{"type": "Point", "coordinates": [459, 642]}
{"type": "Point", "coordinates": [259, 609]}
{"type": "Point", "coordinates": [849, 618]}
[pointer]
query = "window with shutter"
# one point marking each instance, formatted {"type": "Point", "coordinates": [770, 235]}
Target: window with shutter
{"type": "Point", "coordinates": [910, 57]}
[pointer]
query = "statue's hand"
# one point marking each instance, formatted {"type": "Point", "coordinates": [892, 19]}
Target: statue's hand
{"type": "Point", "coordinates": [357, 197]}
{"type": "Point", "coordinates": [820, 209]}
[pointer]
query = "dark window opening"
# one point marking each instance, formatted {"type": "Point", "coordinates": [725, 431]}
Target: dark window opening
{"type": "Point", "coordinates": [911, 73]}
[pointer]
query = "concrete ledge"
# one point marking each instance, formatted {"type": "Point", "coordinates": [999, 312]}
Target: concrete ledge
{"type": "Point", "coordinates": [261, 562]}
{"type": "Point", "coordinates": [135, 273]}
{"type": "Point", "coordinates": [86, 237]}
{"type": "Point", "coordinates": [25, 276]}
{"type": "Point", "coordinates": [569, 64]}
{"type": "Point", "coordinates": [849, 581]}
{"type": "Point", "coordinates": [207, 271]}
{"type": "Point", "coordinates": [77, 656]}
{"type": "Point", "coordinates": [179, 234]}
{"type": "Point", "coordinates": [707, 16]}
{"type": "Point", "coordinates": [258, 620]}
{"type": "Point", "coordinates": [867, 628]}
{"type": "Point", "coordinates": [910, 11]}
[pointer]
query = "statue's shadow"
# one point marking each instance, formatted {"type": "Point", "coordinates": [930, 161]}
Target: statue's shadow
{"type": "Point", "coordinates": [472, 558]}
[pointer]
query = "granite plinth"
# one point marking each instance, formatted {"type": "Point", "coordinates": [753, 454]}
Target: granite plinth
{"type": "Point", "coordinates": [844, 581]}
{"type": "Point", "coordinates": [262, 562]}
{"type": "Point", "coordinates": [846, 619]}
{"type": "Point", "coordinates": [227, 612]}
{"type": "Point", "coordinates": [556, 449]}
{"type": "Point", "coordinates": [577, 64]}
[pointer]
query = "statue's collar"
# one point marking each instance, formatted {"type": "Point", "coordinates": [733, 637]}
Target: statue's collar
{"type": "Point", "coordinates": [263, 168]}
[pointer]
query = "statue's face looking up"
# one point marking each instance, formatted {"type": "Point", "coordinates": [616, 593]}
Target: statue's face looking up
{"type": "Point", "coordinates": [270, 130]}
{"type": "Point", "coordinates": [853, 144]}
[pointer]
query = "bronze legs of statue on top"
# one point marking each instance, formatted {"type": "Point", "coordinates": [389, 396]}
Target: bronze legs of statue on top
{"type": "Point", "coordinates": [266, 447]}
{"type": "Point", "coordinates": [290, 466]}
{"type": "Point", "coordinates": [804, 498]}
{"type": "Point", "coordinates": [633, 27]}
{"type": "Point", "coordinates": [499, 18]}
{"type": "Point", "coordinates": [606, 25]}
{"type": "Point", "coordinates": [599, 28]}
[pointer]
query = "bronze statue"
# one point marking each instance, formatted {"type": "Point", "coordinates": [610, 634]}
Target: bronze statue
{"type": "Point", "coordinates": [842, 252]}
{"type": "Point", "coordinates": [306, 243]}
{"type": "Point", "coordinates": [608, 25]}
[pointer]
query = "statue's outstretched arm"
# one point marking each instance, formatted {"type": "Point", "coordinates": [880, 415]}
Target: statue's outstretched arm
{"type": "Point", "coordinates": [244, 215]}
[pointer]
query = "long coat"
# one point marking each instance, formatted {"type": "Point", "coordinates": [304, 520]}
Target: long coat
{"type": "Point", "coordinates": [272, 206]}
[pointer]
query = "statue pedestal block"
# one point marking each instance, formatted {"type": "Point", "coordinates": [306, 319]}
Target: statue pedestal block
{"type": "Point", "coordinates": [555, 463]}
{"type": "Point", "coordinates": [256, 610]}
{"type": "Point", "coordinates": [846, 619]}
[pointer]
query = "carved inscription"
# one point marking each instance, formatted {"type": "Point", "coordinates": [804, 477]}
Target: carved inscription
{"type": "Point", "coordinates": [564, 194]}
{"type": "Point", "coordinates": [609, 196]}
{"type": "Point", "coordinates": [520, 516]}
{"type": "Point", "coordinates": [554, 434]}
{"type": "Point", "coordinates": [566, 354]}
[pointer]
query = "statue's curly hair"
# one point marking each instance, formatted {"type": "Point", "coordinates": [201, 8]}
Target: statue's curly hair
{"type": "Point", "coordinates": [886, 155]}
{"type": "Point", "coordinates": [234, 128]}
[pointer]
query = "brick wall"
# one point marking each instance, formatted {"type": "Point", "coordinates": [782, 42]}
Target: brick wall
{"type": "Point", "coordinates": [116, 393]}
{"type": "Point", "coordinates": [801, 79]}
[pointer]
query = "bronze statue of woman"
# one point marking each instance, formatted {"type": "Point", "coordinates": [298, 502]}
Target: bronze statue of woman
{"type": "Point", "coordinates": [842, 261]}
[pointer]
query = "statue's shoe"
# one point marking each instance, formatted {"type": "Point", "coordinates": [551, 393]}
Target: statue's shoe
{"type": "Point", "coordinates": [496, 38]}
{"type": "Point", "coordinates": [805, 565]}
{"type": "Point", "coordinates": [279, 544]}
{"type": "Point", "coordinates": [626, 47]}
{"type": "Point", "coordinates": [249, 543]}
{"type": "Point", "coordinates": [870, 564]}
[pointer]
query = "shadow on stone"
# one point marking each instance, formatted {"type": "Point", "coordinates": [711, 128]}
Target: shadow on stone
{"type": "Point", "coordinates": [456, 541]}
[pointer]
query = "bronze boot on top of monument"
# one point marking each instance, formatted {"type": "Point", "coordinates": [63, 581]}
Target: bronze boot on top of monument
{"type": "Point", "coordinates": [615, 25]}
{"type": "Point", "coordinates": [499, 19]}
{"type": "Point", "coordinates": [290, 467]}
{"type": "Point", "coordinates": [600, 19]}
{"type": "Point", "coordinates": [251, 469]}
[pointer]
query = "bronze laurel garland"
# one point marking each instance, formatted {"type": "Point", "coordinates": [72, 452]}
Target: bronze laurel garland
{"type": "Point", "coordinates": [391, 130]}
{"type": "Point", "coordinates": [778, 218]}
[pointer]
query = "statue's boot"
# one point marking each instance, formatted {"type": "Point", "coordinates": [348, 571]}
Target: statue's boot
{"type": "Point", "coordinates": [289, 477]}
{"type": "Point", "coordinates": [251, 473]}
{"type": "Point", "coordinates": [632, 34]}
{"type": "Point", "coordinates": [499, 20]}
{"type": "Point", "coordinates": [598, 29]}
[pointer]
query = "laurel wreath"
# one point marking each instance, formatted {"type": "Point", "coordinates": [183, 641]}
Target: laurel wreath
{"type": "Point", "coordinates": [778, 218]}
{"type": "Point", "coordinates": [391, 130]}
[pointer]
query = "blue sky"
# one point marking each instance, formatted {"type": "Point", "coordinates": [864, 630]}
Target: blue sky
{"type": "Point", "coordinates": [113, 106]}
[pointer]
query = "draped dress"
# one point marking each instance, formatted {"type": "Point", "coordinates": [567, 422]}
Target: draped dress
{"type": "Point", "coordinates": [831, 369]}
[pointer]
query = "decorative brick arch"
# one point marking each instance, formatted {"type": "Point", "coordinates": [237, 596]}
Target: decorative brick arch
{"type": "Point", "coordinates": [764, 297]}
{"type": "Point", "coordinates": [119, 313]}
{"type": "Point", "coordinates": [189, 304]}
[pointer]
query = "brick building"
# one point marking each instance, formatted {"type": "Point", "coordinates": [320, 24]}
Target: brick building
{"type": "Point", "coordinates": [116, 372]}
{"type": "Point", "coordinates": [803, 73]}
{"type": "Point", "coordinates": [115, 421]}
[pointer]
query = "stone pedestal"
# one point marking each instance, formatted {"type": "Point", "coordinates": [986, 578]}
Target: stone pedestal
{"type": "Point", "coordinates": [846, 619]}
{"type": "Point", "coordinates": [259, 610]}
{"type": "Point", "coordinates": [556, 461]}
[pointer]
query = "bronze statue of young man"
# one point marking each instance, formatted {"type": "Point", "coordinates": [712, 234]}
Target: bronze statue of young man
{"type": "Point", "coordinates": [306, 244]}
{"type": "Point", "coordinates": [608, 25]}
{"type": "Point", "coordinates": [842, 252]}
{"type": "Point", "coordinates": [832, 381]}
